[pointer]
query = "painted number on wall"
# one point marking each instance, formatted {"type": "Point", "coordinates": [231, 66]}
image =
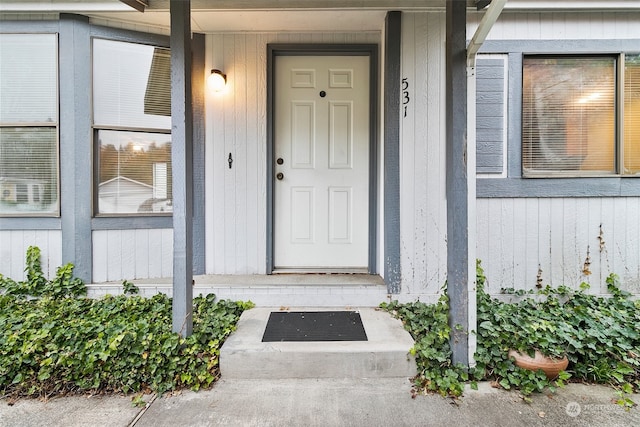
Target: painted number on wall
{"type": "Point", "coordinates": [405, 95]}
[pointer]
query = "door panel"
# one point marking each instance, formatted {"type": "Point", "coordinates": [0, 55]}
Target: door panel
{"type": "Point", "coordinates": [321, 147]}
{"type": "Point", "coordinates": [340, 134]}
{"type": "Point", "coordinates": [302, 215]}
{"type": "Point", "coordinates": [340, 207]}
{"type": "Point", "coordinates": [303, 135]}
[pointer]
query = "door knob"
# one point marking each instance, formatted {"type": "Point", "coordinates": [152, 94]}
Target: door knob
{"type": "Point", "coordinates": [279, 176]}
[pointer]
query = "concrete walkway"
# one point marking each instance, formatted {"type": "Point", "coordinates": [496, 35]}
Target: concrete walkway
{"type": "Point", "coordinates": [328, 402]}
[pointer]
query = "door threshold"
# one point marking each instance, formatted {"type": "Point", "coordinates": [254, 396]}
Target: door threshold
{"type": "Point", "coordinates": [320, 271]}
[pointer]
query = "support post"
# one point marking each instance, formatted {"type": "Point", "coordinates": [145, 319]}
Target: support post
{"type": "Point", "coordinates": [458, 274]}
{"type": "Point", "coordinates": [392, 273]}
{"type": "Point", "coordinates": [182, 166]}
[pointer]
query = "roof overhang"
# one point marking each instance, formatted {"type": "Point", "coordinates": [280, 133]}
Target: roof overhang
{"type": "Point", "coordinates": [138, 5]}
{"type": "Point", "coordinates": [208, 16]}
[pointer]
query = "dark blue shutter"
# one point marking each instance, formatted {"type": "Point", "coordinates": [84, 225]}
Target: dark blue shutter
{"type": "Point", "coordinates": [490, 120]}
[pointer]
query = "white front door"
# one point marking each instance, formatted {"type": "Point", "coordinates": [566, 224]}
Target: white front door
{"type": "Point", "coordinates": [321, 153]}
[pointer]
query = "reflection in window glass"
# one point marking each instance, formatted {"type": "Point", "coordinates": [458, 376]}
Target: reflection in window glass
{"type": "Point", "coordinates": [631, 132]}
{"type": "Point", "coordinates": [135, 172]}
{"type": "Point", "coordinates": [28, 170]}
{"type": "Point", "coordinates": [131, 85]}
{"type": "Point", "coordinates": [132, 112]}
{"type": "Point", "coordinates": [568, 116]}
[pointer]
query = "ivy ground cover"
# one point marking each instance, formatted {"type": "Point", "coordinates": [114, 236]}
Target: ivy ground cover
{"type": "Point", "coordinates": [599, 335]}
{"type": "Point", "coordinates": [53, 340]}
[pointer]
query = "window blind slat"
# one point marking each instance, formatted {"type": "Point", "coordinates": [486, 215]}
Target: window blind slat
{"type": "Point", "coordinates": [28, 78]}
{"type": "Point", "coordinates": [632, 114]}
{"type": "Point", "coordinates": [568, 115]}
{"type": "Point", "coordinates": [28, 170]}
{"type": "Point", "coordinates": [122, 78]}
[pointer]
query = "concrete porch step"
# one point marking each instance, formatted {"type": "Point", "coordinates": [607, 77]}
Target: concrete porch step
{"type": "Point", "coordinates": [384, 355]}
{"type": "Point", "coordinates": [274, 290]}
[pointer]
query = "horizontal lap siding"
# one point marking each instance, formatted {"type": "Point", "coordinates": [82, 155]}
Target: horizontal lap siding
{"type": "Point", "coordinates": [560, 25]}
{"type": "Point", "coordinates": [13, 250]}
{"type": "Point", "coordinates": [423, 222]}
{"type": "Point", "coordinates": [236, 123]}
{"type": "Point", "coordinates": [490, 118]}
{"type": "Point", "coordinates": [520, 240]}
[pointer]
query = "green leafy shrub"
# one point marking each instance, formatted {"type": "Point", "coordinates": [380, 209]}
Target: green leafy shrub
{"type": "Point", "coordinates": [58, 344]}
{"type": "Point", "coordinates": [37, 285]}
{"type": "Point", "coordinates": [600, 337]}
{"type": "Point", "coordinates": [118, 343]}
{"type": "Point", "coordinates": [429, 327]}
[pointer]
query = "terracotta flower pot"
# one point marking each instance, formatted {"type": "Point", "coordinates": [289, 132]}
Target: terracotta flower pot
{"type": "Point", "coordinates": [549, 365]}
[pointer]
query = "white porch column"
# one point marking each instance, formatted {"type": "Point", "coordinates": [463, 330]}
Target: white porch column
{"type": "Point", "coordinates": [489, 18]}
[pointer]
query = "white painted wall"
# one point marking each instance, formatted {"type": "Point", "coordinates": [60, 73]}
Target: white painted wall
{"type": "Point", "coordinates": [516, 237]}
{"type": "Point", "coordinates": [132, 254]}
{"type": "Point", "coordinates": [236, 124]}
{"type": "Point", "coordinates": [519, 239]}
{"type": "Point", "coordinates": [423, 209]}
{"type": "Point", "coordinates": [13, 251]}
{"type": "Point", "coordinates": [560, 25]}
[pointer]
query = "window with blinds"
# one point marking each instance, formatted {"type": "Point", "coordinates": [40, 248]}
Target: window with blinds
{"type": "Point", "coordinates": [580, 116]}
{"type": "Point", "coordinates": [29, 125]}
{"type": "Point", "coordinates": [568, 116]}
{"type": "Point", "coordinates": [132, 128]}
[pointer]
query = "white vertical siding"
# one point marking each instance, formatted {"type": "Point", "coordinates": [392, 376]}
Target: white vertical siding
{"type": "Point", "coordinates": [560, 25]}
{"type": "Point", "coordinates": [516, 237]}
{"type": "Point", "coordinates": [132, 254]}
{"type": "Point", "coordinates": [423, 223]}
{"type": "Point", "coordinates": [521, 238]}
{"type": "Point", "coordinates": [13, 250]}
{"type": "Point", "coordinates": [236, 123]}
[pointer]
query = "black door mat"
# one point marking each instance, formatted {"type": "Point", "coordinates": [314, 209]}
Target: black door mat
{"type": "Point", "coordinates": [314, 326]}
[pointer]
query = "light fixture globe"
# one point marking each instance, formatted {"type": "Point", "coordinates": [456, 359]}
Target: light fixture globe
{"type": "Point", "coordinates": [217, 81]}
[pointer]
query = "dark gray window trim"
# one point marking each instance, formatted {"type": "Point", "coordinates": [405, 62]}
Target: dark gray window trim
{"type": "Point", "coordinates": [198, 47]}
{"type": "Point", "coordinates": [129, 36]}
{"type": "Point", "coordinates": [517, 186]}
{"type": "Point", "coordinates": [30, 223]}
{"type": "Point", "coordinates": [131, 222]}
{"type": "Point", "coordinates": [371, 50]}
{"type": "Point", "coordinates": [29, 27]}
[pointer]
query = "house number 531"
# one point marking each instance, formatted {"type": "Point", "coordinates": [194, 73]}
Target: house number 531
{"type": "Point", "coordinates": [405, 95]}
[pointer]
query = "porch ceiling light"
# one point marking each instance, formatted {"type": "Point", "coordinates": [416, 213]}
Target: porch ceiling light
{"type": "Point", "coordinates": [217, 80]}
